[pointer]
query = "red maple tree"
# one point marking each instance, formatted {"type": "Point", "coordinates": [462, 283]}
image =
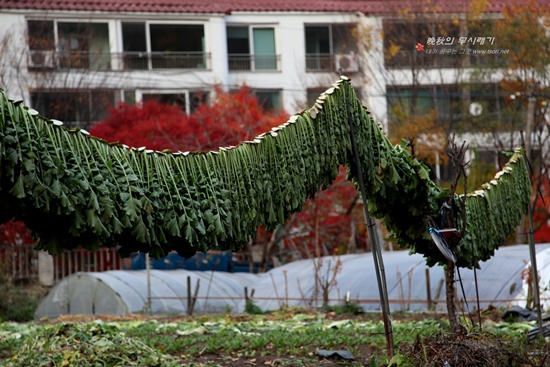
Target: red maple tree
{"type": "Point", "coordinates": [15, 237]}
{"type": "Point", "coordinates": [230, 119]}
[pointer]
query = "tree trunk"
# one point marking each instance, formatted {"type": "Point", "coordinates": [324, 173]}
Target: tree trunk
{"type": "Point", "coordinates": [248, 252]}
{"type": "Point", "coordinates": [451, 296]}
{"type": "Point", "coordinates": [450, 288]}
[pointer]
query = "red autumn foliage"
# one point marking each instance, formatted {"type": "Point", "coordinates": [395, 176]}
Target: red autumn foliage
{"type": "Point", "coordinates": [13, 237]}
{"type": "Point", "coordinates": [335, 209]}
{"type": "Point", "coordinates": [230, 119]}
{"type": "Point", "coordinates": [13, 234]}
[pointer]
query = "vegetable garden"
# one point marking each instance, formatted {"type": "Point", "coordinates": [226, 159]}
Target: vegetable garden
{"type": "Point", "coordinates": [284, 338]}
{"type": "Point", "coordinates": [73, 189]}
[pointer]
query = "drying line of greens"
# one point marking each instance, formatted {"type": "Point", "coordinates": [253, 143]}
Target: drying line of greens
{"type": "Point", "coordinates": [74, 189]}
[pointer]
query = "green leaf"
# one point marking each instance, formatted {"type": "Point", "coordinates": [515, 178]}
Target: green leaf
{"type": "Point", "coordinates": [173, 227]}
{"type": "Point", "coordinates": [18, 190]}
{"type": "Point", "coordinates": [423, 173]}
{"type": "Point", "coordinates": [139, 230]}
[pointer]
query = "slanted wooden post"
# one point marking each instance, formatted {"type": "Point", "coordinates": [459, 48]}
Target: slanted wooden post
{"type": "Point", "coordinates": [373, 239]}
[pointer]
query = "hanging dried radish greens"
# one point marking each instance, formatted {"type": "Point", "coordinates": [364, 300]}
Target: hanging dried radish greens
{"type": "Point", "coordinates": [73, 189]}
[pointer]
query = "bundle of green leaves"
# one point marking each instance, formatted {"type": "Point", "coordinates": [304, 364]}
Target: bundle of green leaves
{"type": "Point", "coordinates": [75, 189]}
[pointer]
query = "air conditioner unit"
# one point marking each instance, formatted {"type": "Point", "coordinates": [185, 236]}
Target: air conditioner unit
{"type": "Point", "coordinates": [348, 63]}
{"type": "Point", "coordinates": [41, 59]}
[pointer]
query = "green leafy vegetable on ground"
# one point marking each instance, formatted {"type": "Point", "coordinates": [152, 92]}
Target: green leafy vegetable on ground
{"type": "Point", "coordinates": [278, 340]}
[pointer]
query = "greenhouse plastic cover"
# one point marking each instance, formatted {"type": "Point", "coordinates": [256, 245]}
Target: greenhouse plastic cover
{"type": "Point", "coordinates": [125, 291]}
{"type": "Point", "coordinates": [122, 292]}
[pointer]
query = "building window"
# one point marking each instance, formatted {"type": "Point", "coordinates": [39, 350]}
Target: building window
{"type": "Point", "coordinates": [401, 37]}
{"type": "Point", "coordinates": [76, 108]}
{"type": "Point", "coordinates": [270, 100]}
{"type": "Point", "coordinates": [330, 47]}
{"type": "Point", "coordinates": [84, 46]}
{"type": "Point", "coordinates": [188, 101]}
{"type": "Point", "coordinates": [170, 46]}
{"type": "Point", "coordinates": [461, 108]}
{"type": "Point", "coordinates": [313, 94]}
{"type": "Point", "coordinates": [422, 99]}
{"type": "Point", "coordinates": [41, 44]}
{"type": "Point", "coordinates": [79, 45]}
{"type": "Point", "coordinates": [252, 48]}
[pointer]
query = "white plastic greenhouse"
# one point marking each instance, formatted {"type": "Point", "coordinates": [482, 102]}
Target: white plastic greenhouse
{"type": "Point", "coordinates": [123, 292]}
{"type": "Point", "coordinates": [499, 280]}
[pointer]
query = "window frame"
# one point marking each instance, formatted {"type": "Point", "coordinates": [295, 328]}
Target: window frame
{"type": "Point", "coordinates": [58, 53]}
{"type": "Point", "coordinates": [88, 93]}
{"type": "Point", "coordinates": [279, 108]}
{"type": "Point", "coordinates": [327, 62]}
{"type": "Point", "coordinates": [251, 57]}
{"type": "Point", "coordinates": [148, 42]}
{"type": "Point", "coordinates": [138, 93]}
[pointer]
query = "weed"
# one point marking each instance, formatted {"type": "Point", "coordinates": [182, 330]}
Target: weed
{"type": "Point", "coordinates": [347, 308]}
{"type": "Point", "coordinates": [250, 307]}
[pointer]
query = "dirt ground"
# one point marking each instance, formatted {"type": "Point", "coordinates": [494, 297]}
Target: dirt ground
{"type": "Point", "coordinates": [446, 349]}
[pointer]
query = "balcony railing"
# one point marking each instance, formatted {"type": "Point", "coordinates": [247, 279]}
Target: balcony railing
{"type": "Point", "coordinates": [166, 60]}
{"type": "Point", "coordinates": [320, 62]}
{"type": "Point", "coordinates": [50, 60]}
{"type": "Point", "coordinates": [409, 59]}
{"type": "Point", "coordinates": [246, 62]}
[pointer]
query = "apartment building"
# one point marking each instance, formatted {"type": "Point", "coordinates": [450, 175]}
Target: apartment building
{"type": "Point", "coordinates": [71, 59]}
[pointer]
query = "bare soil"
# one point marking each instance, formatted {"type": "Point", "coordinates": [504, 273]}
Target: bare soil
{"type": "Point", "coordinates": [445, 349]}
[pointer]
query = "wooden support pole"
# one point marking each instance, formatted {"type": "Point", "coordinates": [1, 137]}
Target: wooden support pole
{"type": "Point", "coordinates": [534, 270]}
{"type": "Point", "coordinates": [428, 290]}
{"type": "Point", "coordinates": [373, 239]}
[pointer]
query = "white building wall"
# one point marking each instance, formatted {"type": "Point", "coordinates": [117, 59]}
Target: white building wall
{"type": "Point", "coordinates": [374, 75]}
{"type": "Point", "coordinates": [291, 78]}
{"type": "Point", "coordinates": [13, 56]}
{"type": "Point", "coordinates": [217, 35]}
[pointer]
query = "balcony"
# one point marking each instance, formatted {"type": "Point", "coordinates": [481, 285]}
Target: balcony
{"type": "Point", "coordinates": [51, 60]}
{"type": "Point", "coordinates": [320, 62]}
{"type": "Point", "coordinates": [409, 59]}
{"type": "Point", "coordinates": [247, 62]}
{"type": "Point", "coordinates": [166, 60]}
{"type": "Point", "coordinates": [423, 60]}
{"type": "Point", "coordinates": [330, 63]}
